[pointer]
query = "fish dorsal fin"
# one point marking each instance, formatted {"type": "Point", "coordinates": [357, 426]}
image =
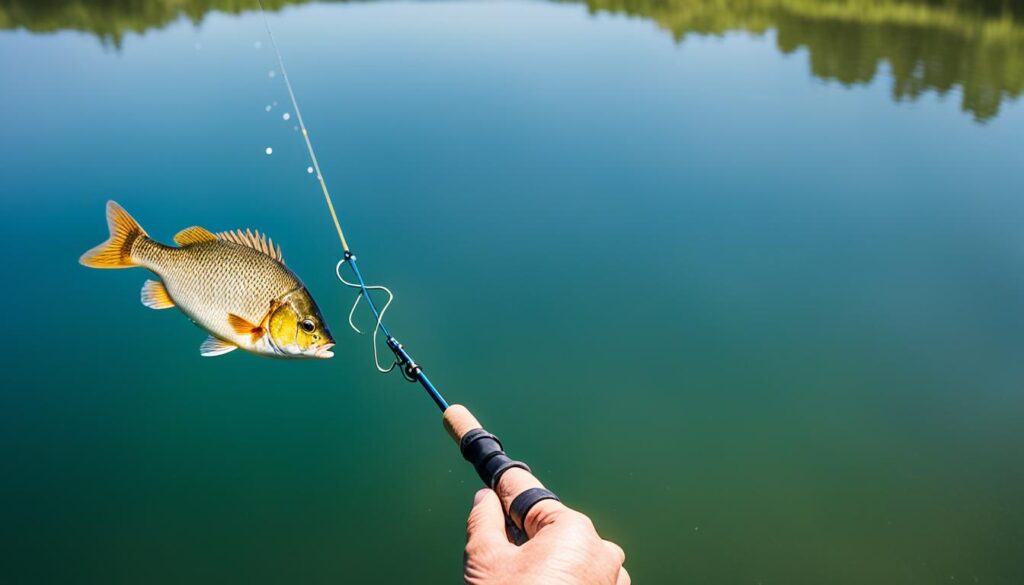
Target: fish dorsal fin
{"type": "Point", "coordinates": [214, 347]}
{"type": "Point", "coordinates": [154, 295]}
{"type": "Point", "coordinates": [194, 235]}
{"type": "Point", "coordinates": [255, 240]}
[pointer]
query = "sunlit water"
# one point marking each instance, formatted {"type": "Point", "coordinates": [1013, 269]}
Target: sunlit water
{"type": "Point", "coordinates": [762, 325]}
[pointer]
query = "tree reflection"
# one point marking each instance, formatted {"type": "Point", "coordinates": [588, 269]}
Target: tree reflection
{"type": "Point", "coordinates": [976, 46]}
{"type": "Point", "coordinates": [973, 46]}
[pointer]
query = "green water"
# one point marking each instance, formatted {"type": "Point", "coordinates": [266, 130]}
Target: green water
{"type": "Point", "coordinates": [741, 280]}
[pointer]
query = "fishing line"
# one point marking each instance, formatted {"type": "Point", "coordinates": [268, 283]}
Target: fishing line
{"type": "Point", "coordinates": [411, 371]}
{"type": "Point", "coordinates": [478, 446]}
{"type": "Point", "coordinates": [305, 133]}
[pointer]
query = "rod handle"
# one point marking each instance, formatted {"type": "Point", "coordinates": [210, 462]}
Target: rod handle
{"type": "Point", "coordinates": [519, 491]}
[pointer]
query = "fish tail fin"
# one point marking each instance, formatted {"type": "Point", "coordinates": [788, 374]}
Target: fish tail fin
{"type": "Point", "coordinates": [117, 251]}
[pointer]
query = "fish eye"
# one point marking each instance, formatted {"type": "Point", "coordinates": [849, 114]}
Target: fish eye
{"type": "Point", "coordinates": [308, 325]}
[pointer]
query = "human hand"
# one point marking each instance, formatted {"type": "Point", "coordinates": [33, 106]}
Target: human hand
{"type": "Point", "coordinates": [563, 546]}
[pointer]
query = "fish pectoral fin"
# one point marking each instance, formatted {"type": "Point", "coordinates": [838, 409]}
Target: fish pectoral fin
{"type": "Point", "coordinates": [214, 347]}
{"type": "Point", "coordinates": [154, 295]}
{"type": "Point", "coordinates": [244, 327]}
{"type": "Point", "coordinates": [194, 235]}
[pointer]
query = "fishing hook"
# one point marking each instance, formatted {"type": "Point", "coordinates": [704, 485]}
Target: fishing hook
{"type": "Point", "coordinates": [365, 290]}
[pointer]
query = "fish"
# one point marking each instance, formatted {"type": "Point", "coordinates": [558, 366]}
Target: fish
{"type": "Point", "coordinates": [234, 285]}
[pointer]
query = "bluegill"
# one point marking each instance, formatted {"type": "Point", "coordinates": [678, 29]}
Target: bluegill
{"type": "Point", "coordinates": [234, 285]}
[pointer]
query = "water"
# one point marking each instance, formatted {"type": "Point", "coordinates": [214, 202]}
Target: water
{"type": "Point", "coordinates": [740, 280]}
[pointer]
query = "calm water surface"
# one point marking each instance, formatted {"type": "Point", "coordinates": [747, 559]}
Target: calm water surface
{"type": "Point", "coordinates": [741, 280]}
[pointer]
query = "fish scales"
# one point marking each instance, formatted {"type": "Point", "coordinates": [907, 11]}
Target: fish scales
{"type": "Point", "coordinates": [234, 285]}
{"type": "Point", "coordinates": [210, 280]}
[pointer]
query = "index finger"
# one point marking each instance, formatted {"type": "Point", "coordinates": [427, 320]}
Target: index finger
{"type": "Point", "coordinates": [458, 421]}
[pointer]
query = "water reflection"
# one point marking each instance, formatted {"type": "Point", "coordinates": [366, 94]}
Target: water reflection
{"type": "Point", "coordinates": [974, 46]}
{"type": "Point", "coordinates": [111, 20]}
{"type": "Point", "coordinates": [977, 46]}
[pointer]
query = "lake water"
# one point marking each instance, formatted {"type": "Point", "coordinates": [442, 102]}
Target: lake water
{"type": "Point", "coordinates": [741, 280]}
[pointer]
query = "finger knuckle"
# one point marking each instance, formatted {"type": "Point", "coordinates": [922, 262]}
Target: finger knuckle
{"type": "Point", "coordinates": [472, 549]}
{"type": "Point", "coordinates": [584, 522]}
{"type": "Point", "coordinates": [616, 551]}
{"type": "Point", "coordinates": [482, 558]}
{"type": "Point", "coordinates": [541, 516]}
{"type": "Point", "coordinates": [473, 523]}
{"type": "Point", "coordinates": [579, 523]}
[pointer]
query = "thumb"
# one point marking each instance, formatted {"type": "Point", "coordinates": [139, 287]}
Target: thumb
{"type": "Point", "coordinates": [485, 528]}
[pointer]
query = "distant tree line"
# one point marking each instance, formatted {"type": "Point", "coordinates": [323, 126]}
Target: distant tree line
{"type": "Point", "coordinates": [976, 46]}
{"type": "Point", "coordinates": [111, 20]}
{"type": "Point", "coordinates": [929, 45]}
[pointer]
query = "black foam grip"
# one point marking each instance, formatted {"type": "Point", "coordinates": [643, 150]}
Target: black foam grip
{"type": "Point", "coordinates": [525, 501]}
{"type": "Point", "coordinates": [485, 452]}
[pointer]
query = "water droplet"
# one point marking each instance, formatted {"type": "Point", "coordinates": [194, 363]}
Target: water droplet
{"type": "Point", "coordinates": [296, 128]}
{"type": "Point", "coordinates": [257, 45]}
{"type": "Point", "coordinates": [309, 170]}
{"type": "Point", "coordinates": [199, 46]}
{"type": "Point", "coordinates": [275, 103]}
{"type": "Point", "coordinates": [286, 116]}
{"type": "Point", "coordinates": [272, 74]}
{"type": "Point", "coordinates": [269, 150]}
{"type": "Point", "coordinates": [267, 108]}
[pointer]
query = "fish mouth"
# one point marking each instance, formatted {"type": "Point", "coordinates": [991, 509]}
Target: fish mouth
{"type": "Point", "coordinates": [324, 351]}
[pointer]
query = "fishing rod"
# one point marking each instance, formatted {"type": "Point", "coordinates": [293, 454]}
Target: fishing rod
{"type": "Point", "coordinates": [478, 446]}
{"type": "Point", "coordinates": [411, 370]}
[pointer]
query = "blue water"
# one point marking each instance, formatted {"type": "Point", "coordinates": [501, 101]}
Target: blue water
{"type": "Point", "coordinates": [763, 326]}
